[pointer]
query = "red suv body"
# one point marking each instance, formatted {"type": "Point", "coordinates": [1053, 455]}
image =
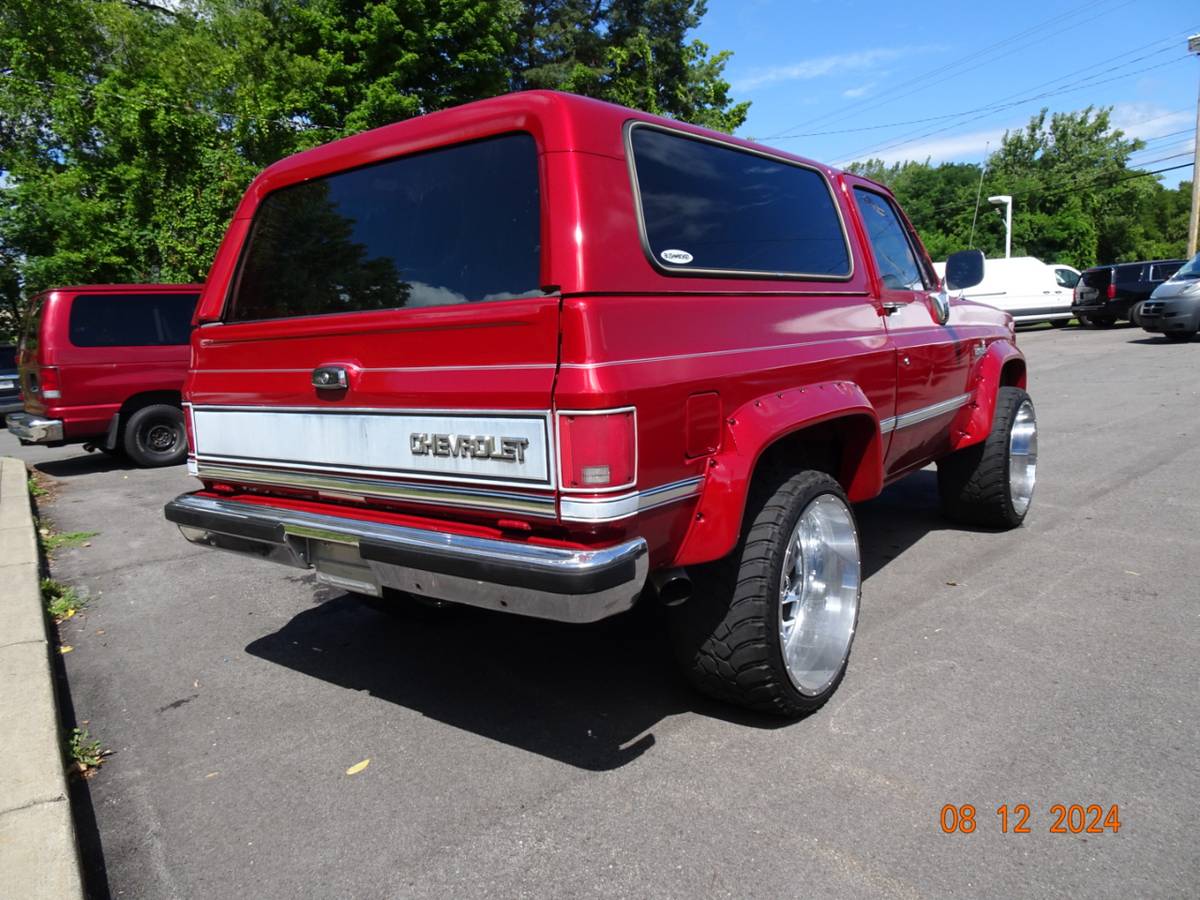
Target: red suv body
{"type": "Point", "coordinates": [544, 354]}
{"type": "Point", "coordinates": [105, 365]}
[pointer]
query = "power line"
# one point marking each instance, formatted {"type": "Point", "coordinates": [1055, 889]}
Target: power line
{"type": "Point", "coordinates": [891, 94]}
{"type": "Point", "coordinates": [1075, 86]}
{"type": "Point", "coordinates": [1107, 65]}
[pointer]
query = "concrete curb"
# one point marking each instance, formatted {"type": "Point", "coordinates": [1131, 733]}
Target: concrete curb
{"type": "Point", "coordinates": [39, 856]}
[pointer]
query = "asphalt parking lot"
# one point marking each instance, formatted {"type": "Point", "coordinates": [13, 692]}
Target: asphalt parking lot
{"type": "Point", "coordinates": [1056, 664]}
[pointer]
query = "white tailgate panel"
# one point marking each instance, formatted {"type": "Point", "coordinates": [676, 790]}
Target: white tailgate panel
{"type": "Point", "coordinates": [380, 443]}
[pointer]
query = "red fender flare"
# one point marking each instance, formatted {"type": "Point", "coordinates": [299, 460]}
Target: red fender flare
{"type": "Point", "coordinates": [974, 423]}
{"type": "Point", "coordinates": [754, 427]}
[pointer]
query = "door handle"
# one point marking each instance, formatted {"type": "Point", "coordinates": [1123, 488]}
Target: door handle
{"type": "Point", "coordinates": [891, 306]}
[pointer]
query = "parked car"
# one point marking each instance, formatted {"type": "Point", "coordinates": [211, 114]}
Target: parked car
{"type": "Point", "coordinates": [1030, 290]}
{"type": "Point", "coordinates": [1106, 294]}
{"type": "Point", "coordinates": [104, 365]}
{"type": "Point", "coordinates": [1173, 310]}
{"type": "Point", "coordinates": [10, 387]}
{"type": "Point", "coordinates": [544, 355]}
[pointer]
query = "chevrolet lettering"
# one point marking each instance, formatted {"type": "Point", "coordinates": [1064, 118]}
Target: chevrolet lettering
{"type": "Point", "coordinates": [509, 449]}
{"type": "Point", "coordinates": [635, 361]}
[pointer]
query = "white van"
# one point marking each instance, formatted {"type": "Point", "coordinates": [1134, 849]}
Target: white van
{"type": "Point", "coordinates": [1026, 288]}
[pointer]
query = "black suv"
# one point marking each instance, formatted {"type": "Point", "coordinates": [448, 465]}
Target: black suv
{"type": "Point", "coordinates": [10, 390]}
{"type": "Point", "coordinates": [1105, 294]}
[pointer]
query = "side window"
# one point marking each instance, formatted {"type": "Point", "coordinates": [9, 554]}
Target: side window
{"type": "Point", "coordinates": [1066, 278]}
{"type": "Point", "coordinates": [1164, 271]}
{"type": "Point", "coordinates": [131, 320]}
{"type": "Point", "coordinates": [898, 266]}
{"type": "Point", "coordinates": [722, 210]}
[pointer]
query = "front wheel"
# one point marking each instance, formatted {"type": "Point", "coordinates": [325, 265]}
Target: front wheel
{"type": "Point", "coordinates": [1179, 336]}
{"type": "Point", "coordinates": [992, 483]}
{"type": "Point", "coordinates": [154, 436]}
{"type": "Point", "coordinates": [770, 626]}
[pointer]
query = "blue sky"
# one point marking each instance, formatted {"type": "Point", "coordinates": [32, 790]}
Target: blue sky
{"type": "Point", "coordinates": [824, 76]}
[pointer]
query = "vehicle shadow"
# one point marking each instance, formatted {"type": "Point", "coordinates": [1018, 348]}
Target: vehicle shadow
{"type": "Point", "coordinates": [84, 464]}
{"type": "Point", "coordinates": [1159, 341]}
{"type": "Point", "coordinates": [585, 695]}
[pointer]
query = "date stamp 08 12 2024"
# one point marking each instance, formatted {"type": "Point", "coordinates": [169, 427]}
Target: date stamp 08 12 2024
{"type": "Point", "coordinates": [1068, 819]}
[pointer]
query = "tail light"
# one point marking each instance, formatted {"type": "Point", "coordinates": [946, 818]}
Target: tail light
{"type": "Point", "coordinates": [597, 450]}
{"type": "Point", "coordinates": [1112, 290]}
{"type": "Point", "coordinates": [46, 383]}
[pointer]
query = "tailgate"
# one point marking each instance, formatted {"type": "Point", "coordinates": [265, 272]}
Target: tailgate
{"type": "Point", "coordinates": [386, 339]}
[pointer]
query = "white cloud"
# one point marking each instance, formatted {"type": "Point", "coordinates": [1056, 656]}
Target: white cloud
{"type": "Point", "coordinates": [860, 91]}
{"type": "Point", "coordinates": [820, 66]}
{"type": "Point", "coordinates": [951, 147]}
{"type": "Point", "coordinates": [1147, 120]}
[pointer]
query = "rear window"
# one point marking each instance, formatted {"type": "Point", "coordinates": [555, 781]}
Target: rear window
{"type": "Point", "coordinates": [8, 359]}
{"type": "Point", "coordinates": [1096, 278]}
{"type": "Point", "coordinates": [708, 207]}
{"type": "Point", "coordinates": [131, 320]}
{"type": "Point", "coordinates": [454, 225]}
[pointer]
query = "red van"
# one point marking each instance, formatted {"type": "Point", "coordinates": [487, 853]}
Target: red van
{"type": "Point", "coordinates": [104, 365]}
{"type": "Point", "coordinates": [547, 355]}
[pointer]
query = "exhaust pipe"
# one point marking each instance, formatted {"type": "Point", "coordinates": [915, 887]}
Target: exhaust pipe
{"type": "Point", "coordinates": [671, 586]}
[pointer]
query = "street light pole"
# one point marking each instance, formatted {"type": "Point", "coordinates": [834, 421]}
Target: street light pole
{"type": "Point", "coordinates": [1194, 221]}
{"type": "Point", "coordinates": [1007, 201]}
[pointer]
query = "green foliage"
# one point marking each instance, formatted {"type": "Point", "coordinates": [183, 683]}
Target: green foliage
{"type": "Point", "coordinates": [129, 130]}
{"type": "Point", "coordinates": [61, 600]}
{"type": "Point", "coordinates": [56, 540]}
{"type": "Point", "coordinates": [85, 752]}
{"type": "Point", "coordinates": [35, 488]}
{"type": "Point", "coordinates": [1075, 198]}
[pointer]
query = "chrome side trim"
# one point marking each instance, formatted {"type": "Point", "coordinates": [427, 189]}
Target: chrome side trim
{"type": "Point", "coordinates": [923, 414]}
{"type": "Point", "coordinates": [331, 485]}
{"type": "Point", "coordinates": [610, 509]}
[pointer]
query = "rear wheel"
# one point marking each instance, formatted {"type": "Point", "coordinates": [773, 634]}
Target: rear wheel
{"type": "Point", "coordinates": [154, 436]}
{"type": "Point", "coordinates": [1103, 321]}
{"type": "Point", "coordinates": [770, 626]}
{"type": "Point", "coordinates": [992, 483]}
{"type": "Point", "coordinates": [1059, 323]}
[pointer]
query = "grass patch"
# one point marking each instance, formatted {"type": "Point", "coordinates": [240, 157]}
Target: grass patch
{"type": "Point", "coordinates": [36, 488]}
{"type": "Point", "coordinates": [54, 540]}
{"type": "Point", "coordinates": [61, 600]}
{"type": "Point", "coordinates": [85, 752]}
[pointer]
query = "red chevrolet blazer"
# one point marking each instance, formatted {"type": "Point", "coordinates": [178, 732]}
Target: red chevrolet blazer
{"type": "Point", "coordinates": [104, 365]}
{"type": "Point", "coordinates": [546, 355]}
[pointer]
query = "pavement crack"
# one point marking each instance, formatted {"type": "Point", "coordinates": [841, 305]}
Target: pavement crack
{"type": "Point", "coordinates": [37, 801]}
{"type": "Point", "coordinates": [19, 643]}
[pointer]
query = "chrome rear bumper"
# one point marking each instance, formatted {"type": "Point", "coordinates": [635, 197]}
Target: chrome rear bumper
{"type": "Point", "coordinates": [566, 585]}
{"type": "Point", "coordinates": [34, 429]}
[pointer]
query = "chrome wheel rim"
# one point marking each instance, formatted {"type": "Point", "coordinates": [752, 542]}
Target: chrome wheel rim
{"type": "Point", "coordinates": [818, 594]}
{"type": "Point", "coordinates": [1022, 457]}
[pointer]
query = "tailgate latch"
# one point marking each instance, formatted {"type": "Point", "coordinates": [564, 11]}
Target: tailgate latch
{"type": "Point", "coordinates": [329, 377]}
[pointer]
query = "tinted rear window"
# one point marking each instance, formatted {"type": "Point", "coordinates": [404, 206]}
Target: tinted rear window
{"type": "Point", "coordinates": [710, 206]}
{"type": "Point", "coordinates": [131, 320]}
{"type": "Point", "coordinates": [456, 225]}
{"type": "Point", "coordinates": [8, 359]}
{"type": "Point", "coordinates": [1096, 278]}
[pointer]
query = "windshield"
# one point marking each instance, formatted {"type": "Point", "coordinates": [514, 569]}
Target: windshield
{"type": "Point", "coordinates": [1191, 269]}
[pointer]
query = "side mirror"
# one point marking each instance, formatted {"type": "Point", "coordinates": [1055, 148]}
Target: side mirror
{"type": "Point", "coordinates": [964, 269]}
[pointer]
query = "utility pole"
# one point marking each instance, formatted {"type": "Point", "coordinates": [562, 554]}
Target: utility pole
{"type": "Point", "coordinates": [1006, 201]}
{"type": "Point", "coordinates": [1194, 221]}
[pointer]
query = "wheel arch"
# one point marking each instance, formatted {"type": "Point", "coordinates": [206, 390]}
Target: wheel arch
{"type": "Point", "coordinates": [830, 427]}
{"type": "Point", "coordinates": [131, 404]}
{"type": "Point", "coordinates": [1002, 365]}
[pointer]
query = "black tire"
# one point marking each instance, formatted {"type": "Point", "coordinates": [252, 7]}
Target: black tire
{"type": "Point", "coordinates": [727, 635]}
{"type": "Point", "coordinates": [1059, 323]}
{"type": "Point", "coordinates": [1135, 314]}
{"type": "Point", "coordinates": [1103, 321]}
{"type": "Point", "coordinates": [1179, 336]}
{"type": "Point", "coordinates": [974, 483]}
{"type": "Point", "coordinates": [154, 436]}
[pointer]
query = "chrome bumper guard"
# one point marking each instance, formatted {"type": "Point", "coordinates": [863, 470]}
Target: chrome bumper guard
{"type": "Point", "coordinates": [34, 429]}
{"type": "Point", "coordinates": [556, 583]}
